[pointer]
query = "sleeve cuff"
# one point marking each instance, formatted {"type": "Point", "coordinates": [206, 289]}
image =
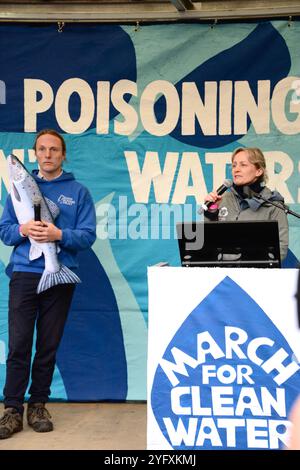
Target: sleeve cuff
{"type": "Point", "coordinates": [20, 232]}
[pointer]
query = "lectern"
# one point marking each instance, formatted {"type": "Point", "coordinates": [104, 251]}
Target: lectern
{"type": "Point", "coordinates": [229, 244]}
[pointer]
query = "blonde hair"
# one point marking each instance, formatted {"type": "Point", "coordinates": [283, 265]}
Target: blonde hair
{"type": "Point", "coordinates": [256, 157]}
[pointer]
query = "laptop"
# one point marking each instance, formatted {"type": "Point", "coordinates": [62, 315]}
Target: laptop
{"type": "Point", "coordinates": [229, 244]}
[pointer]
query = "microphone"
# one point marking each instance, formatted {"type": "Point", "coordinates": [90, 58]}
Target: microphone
{"type": "Point", "coordinates": [37, 207]}
{"type": "Point", "coordinates": [221, 190]}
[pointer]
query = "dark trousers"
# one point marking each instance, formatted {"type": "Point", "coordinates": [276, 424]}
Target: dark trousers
{"type": "Point", "coordinates": [48, 311]}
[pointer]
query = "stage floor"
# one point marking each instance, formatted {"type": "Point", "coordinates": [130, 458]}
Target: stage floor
{"type": "Point", "coordinates": [86, 426]}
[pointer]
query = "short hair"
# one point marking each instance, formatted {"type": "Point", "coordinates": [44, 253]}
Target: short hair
{"type": "Point", "coordinates": [51, 132]}
{"type": "Point", "coordinates": [256, 157]}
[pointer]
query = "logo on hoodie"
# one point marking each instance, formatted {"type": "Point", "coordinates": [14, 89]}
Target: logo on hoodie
{"type": "Point", "coordinates": [68, 201]}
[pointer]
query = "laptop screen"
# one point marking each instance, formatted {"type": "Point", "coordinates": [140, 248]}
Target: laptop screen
{"type": "Point", "coordinates": [229, 244]}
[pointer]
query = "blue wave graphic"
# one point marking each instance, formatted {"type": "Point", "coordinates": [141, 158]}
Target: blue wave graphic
{"type": "Point", "coordinates": [91, 357]}
{"type": "Point", "coordinates": [247, 60]}
{"type": "Point", "coordinates": [291, 261]}
{"type": "Point", "coordinates": [226, 305]}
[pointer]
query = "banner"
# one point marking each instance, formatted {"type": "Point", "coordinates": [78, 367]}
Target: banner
{"type": "Point", "coordinates": [150, 116]}
{"type": "Point", "coordinates": [223, 371]}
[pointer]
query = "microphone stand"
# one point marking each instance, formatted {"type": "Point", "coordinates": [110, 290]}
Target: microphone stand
{"type": "Point", "coordinates": [282, 206]}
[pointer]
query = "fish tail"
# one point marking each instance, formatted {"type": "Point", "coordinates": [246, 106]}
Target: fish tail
{"type": "Point", "coordinates": [63, 276]}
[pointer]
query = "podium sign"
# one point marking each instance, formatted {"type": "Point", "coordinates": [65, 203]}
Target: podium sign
{"type": "Point", "coordinates": [222, 357]}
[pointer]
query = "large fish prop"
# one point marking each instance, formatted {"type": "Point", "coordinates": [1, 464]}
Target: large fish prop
{"type": "Point", "coordinates": [25, 193]}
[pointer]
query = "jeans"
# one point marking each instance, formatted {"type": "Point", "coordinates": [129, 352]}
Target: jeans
{"type": "Point", "coordinates": [47, 311]}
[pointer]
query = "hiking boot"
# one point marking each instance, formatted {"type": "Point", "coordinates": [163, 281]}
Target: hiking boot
{"type": "Point", "coordinates": [38, 417]}
{"type": "Point", "coordinates": [11, 422]}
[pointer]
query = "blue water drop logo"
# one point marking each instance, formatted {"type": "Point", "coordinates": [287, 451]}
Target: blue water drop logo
{"type": "Point", "coordinates": [227, 379]}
